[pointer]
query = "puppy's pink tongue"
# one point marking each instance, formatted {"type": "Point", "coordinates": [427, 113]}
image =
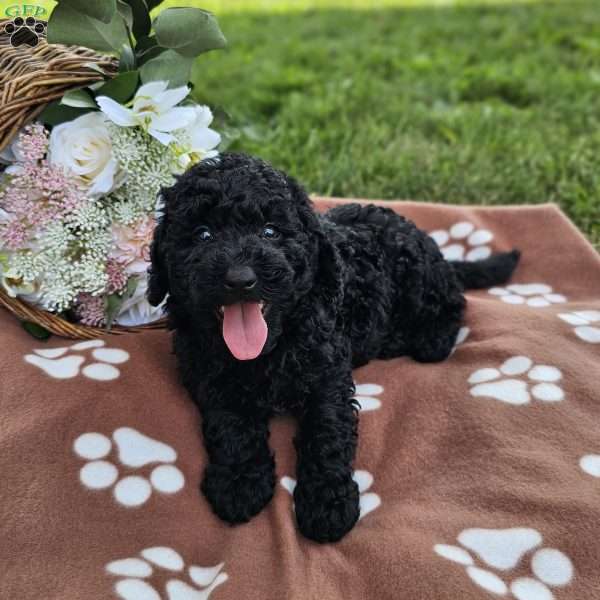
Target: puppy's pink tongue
{"type": "Point", "coordinates": [244, 329]}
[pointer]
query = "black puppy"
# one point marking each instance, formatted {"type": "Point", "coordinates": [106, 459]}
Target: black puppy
{"type": "Point", "coordinates": [273, 305]}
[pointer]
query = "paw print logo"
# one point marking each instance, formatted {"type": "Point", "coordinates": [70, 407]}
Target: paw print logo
{"type": "Point", "coordinates": [135, 572]}
{"type": "Point", "coordinates": [537, 295]}
{"type": "Point", "coordinates": [583, 320]}
{"type": "Point", "coordinates": [463, 242]}
{"type": "Point", "coordinates": [134, 451]}
{"type": "Point", "coordinates": [366, 396]}
{"type": "Point", "coordinates": [65, 363]}
{"type": "Point", "coordinates": [25, 31]}
{"type": "Point", "coordinates": [369, 501]}
{"type": "Point", "coordinates": [501, 384]}
{"type": "Point", "coordinates": [502, 550]}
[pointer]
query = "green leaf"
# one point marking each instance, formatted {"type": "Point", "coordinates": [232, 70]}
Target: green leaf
{"type": "Point", "coordinates": [189, 31]}
{"type": "Point", "coordinates": [168, 66]}
{"type": "Point", "coordinates": [150, 54]}
{"type": "Point", "coordinates": [113, 306]}
{"type": "Point", "coordinates": [126, 13]}
{"type": "Point", "coordinates": [103, 10]}
{"type": "Point", "coordinates": [152, 4]}
{"type": "Point", "coordinates": [37, 331]}
{"type": "Point", "coordinates": [130, 288]}
{"type": "Point", "coordinates": [114, 302]}
{"type": "Point", "coordinates": [95, 67]}
{"type": "Point", "coordinates": [146, 49]}
{"type": "Point", "coordinates": [78, 99]}
{"type": "Point", "coordinates": [95, 86]}
{"type": "Point", "coordinates": [56, 113]}
{"type": "Point", "coordinates": [127, 60]}
{"type": "Point", "coordinates": [70, 27]}
{"type": "Point", "coordinates": [121, 88]}
{"type": "Point", "coordinates": [141, 18]}
{"type": "Point", "coordinates": [145, 43]}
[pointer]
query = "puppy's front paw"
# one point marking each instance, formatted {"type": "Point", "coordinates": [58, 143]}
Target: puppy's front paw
{"type": "Point", "coordinates": [326, 510]}
{"type": "Point", "coordinates": [237, 494]}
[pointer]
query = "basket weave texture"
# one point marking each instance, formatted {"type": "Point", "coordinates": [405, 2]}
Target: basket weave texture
{"type": "Point", "coordinates": [30, 78]}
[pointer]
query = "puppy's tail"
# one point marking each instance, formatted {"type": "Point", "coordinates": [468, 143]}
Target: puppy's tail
{"type": "Point", "coordinates": [485, 273]}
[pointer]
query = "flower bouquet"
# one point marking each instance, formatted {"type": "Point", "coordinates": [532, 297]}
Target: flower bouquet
{"type": "Point", "coordinates": [81, 188]}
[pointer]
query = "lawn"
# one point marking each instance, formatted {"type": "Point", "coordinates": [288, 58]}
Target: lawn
{"type": "Point", "coordinates": [470, 103]}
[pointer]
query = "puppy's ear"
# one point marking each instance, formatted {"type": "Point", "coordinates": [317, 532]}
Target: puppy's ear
{"type": "Point", "coordinates": [303, 205]}
{"type": "Point", "coordinates": [158, 277]}
{"type": "Point", "coordinates": [328, 275]}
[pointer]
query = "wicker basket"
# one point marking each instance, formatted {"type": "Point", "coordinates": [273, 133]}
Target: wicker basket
{"type": "Point", "coordinates": [30, 78]}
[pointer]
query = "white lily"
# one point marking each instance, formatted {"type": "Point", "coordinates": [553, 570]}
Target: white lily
{"type": "Point", "coordinates": [153, 108]}
{"type": "Point", "coordinates": [197, 141]}
{"type": "Point", "coordinates": [137, 310]}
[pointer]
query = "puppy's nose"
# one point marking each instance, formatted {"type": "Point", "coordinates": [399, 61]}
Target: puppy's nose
{"type": "Point", "coordinates": [240, 278]}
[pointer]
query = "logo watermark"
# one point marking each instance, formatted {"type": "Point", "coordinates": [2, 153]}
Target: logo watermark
{"type": "Point", "coordinates": [40, 10]}
{"type": "Point", "coordinates": [25, 23]}
{"type": "Point", "coordinates": [25, 31]}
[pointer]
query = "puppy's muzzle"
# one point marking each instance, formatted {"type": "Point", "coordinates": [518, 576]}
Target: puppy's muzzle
{"type": "Point", "coordinates": [238, 279]}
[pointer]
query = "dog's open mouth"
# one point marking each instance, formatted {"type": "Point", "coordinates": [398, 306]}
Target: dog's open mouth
{"type": "Point", "coordinates": [244, 328]}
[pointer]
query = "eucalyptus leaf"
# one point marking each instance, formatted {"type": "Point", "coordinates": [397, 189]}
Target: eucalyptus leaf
{"type": "Point", "coordinates": [132, 284]}
{"type": "Point", "coordinates": [141, 18]}
{"type": "Point", "coordinates": [121, 88]}
{"type": "Point", "coordinates": [147, 49]}
{"type": "Point", "coordinates": [152, 4]}
{"type": "Point", "coordinates": [70, 27]}
{"type": "Point", "coordinates": [168, 66]}
{"type": "Point", "coordinates": [127, 60]}
{"type": "Point", "coordinates": [78, 99]}
{"type": "Point", "coordinates": [103, 10]}
{"type": "Point", "coordinates": [114, 302]}
{"type": "Point", "coordinates": [144, 43]}
{"type": "Point", "coordinates": [189, 31]}
{"type": "Point", "coordinates": [95, 67]}
{"type": "Point", "coordinates": [126, 13]}
{"type": "Point", "coordinates": [56, 113]}
{"type": "Point", "coordinates": [113, 306]}
{"type": "Point", "coordinates": [95, 86]}
{"type": "Point", "coordinates": [37, 331]}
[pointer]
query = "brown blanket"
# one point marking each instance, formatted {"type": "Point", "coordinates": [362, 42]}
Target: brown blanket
{"type": "Point", "coordinates": [480, 476]}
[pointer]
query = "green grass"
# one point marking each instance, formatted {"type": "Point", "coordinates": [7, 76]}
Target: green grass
{"type": "Point", "coordinates": [465, 104]}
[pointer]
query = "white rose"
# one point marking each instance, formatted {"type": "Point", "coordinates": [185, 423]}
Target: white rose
{"type": "Point", "coordinates": [83, 147]}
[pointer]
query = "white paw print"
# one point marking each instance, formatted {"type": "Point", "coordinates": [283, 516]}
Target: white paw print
{"type": "Point", "coordinates": [583, 319]}
{"type": "Point", "coordinates": [369, 501]}
{"type": "Point", "coordinates": [503, 549]}
{"type": "Point", "coordinates": [491, 383]}
{"type": "Point", "coordinates": [201, 580]}
{"type": "Point", "coordinates": [135, 450]}
{"type": "Point", "coordinates": [538, 295]}
{"type": "Point", "coordinates": [461, 338]}
{"type": "Point", "coordinates": [462, 237]}
{"type": "Point", "coordinates": [590, 464]}
{"type": "Point", "coordinates": [102, 368]}
{"type": "Point", "coordinates": [365, 394]}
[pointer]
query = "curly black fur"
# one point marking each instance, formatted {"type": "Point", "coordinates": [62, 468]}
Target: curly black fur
{"type": "Point", "coordinates": [358, 283]}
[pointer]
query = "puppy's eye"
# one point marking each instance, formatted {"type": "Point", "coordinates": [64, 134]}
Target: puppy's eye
{"type": "Point", "coordinates": [205, 234]}
{"type": "Point", "coordinates": [270, 232]}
